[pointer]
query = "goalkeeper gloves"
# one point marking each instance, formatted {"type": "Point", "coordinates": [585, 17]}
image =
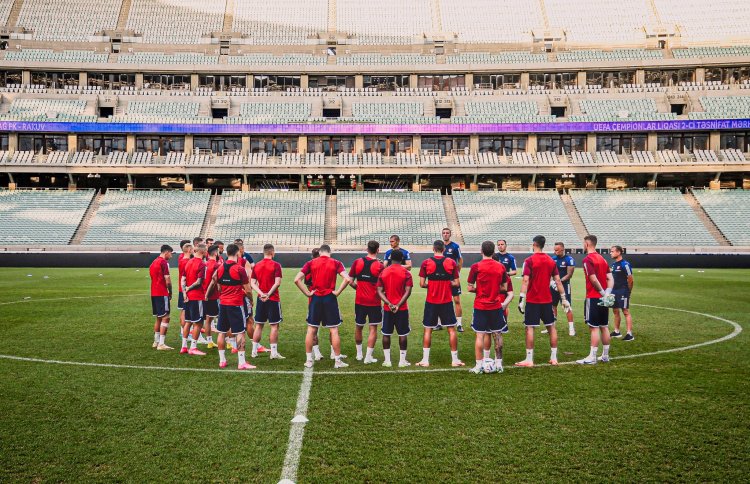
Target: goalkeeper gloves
{"type": "Point", "coordinates": [566, 305]}
{"type": "Point", "coordinates": [607, 301]}
{"type": "Point", "coordinates": [605, 292]}
{"type": "Point", "coordinates": [553, 285]}
{"type": "Point", "coordinates": [522, 304]}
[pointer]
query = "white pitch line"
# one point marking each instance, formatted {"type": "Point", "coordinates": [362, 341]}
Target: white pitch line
{"type": "Point", "coordinates": [21, 301]}
{"type": "Point", "coordinates": [297, 430]}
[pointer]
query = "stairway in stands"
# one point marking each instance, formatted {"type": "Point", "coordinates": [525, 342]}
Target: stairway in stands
{"type": "Point", "coordinates": [122, 19]}
{"type": "Point", "coordinates": [330, 234]}
{"type": "Point", "coordinates": [15, 11]}
{"type": "Point", "coordinates": [574, 216]}
{"type": "Point", "coordinates": [332, 16]}
{"type": "Point", "coordinates": [210, 219]}
{"type": "Point", "coordinates": [83, 227]}
{"type": "Point", "coordinates": [451, 217]}
{"type": "Point", "coordinates": [228, 16]}
{"type": "Point", "coordinates": [712, 228]}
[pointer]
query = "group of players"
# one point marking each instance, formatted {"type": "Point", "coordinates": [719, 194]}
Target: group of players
{"type": "Point", "coordinates": [216, 290]}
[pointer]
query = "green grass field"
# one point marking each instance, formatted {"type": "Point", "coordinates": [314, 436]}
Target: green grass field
{"type": "Point", "coordinates": [679, 416]}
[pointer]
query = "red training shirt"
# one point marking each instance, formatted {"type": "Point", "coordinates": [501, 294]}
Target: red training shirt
{"type": "Point", "coordinates": [195, 269]}
{"type": "Point", "coordinates": [211, 266]}
{"type": "Point", "coordinates": [367, 294]}
{"type": "Point", "coordinates": [232, 295]}
{"type": "Point", "coordinates": [394, 280]}
{"type": "Point", "coordinates": [595, 264]}
{"type": "Point", "coordinates": [323, 272]}
{"type": "Point", "coordinates": [540, 268]}
{"type": "Point", "coordinates": [265, 272]}
{"type": "Point", "coordinates": [439, 292]}
{"type": "Point", "coordinates": [157, 270]}
{"type": "Point", "coordinates": [488, 275]}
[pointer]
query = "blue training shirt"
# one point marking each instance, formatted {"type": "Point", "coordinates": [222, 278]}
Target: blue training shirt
{"type": "Point", "coordinates": [620, 272]}
{"type": "Point", "coordinates": [452, 251]}
{"type": "Point", "coordinates": [507, 260]}
{"type": "Point", "coordinates": [562, 265]}
{"type": "Point", "coordinates": [248, 258]}
{"type": "Point", "coordinates": [403, 251]}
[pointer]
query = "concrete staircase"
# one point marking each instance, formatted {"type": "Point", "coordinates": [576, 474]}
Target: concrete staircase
{"type": "Point", "coordinates": [332, 16]}
{"type": "Point", "coordinates": [88, 216]}
{"type": "Point", "coordinates": [228, 16]}
{"type": "Point", "coordinates": [574, 216]}
{"type": "Point", "coordinates": [122, 19]}
{"type": "Point", "coordinates": [437, 16]}
{"type": "Point", "coordinates": [210, 219]}
{"type": "Point", "coordinates": [712, 228]}
{"type": "Point", "coordinates": [545, 17]}
{"type": "Point", "coordinates": [330, 235]}
{"type": "Point", "coordinates": [15, 11]}
{"type": "Point", "coordinates": [451, 217]}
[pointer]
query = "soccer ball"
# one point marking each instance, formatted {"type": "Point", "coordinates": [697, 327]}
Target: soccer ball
{"type": "Point", "coordinates": [488, 365]}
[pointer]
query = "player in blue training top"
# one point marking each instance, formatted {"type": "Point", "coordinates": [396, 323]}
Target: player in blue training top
{"type": "Point", "coordinates": [395, 240]}
{"type": "Point", "coordinates": [453, 251]}
{"type": "Point", "coordinates": [566, 265]}
{"type": "Point", "coordinates": [505, 259]}
{"type": "Point", "coordinates": [622, 272]}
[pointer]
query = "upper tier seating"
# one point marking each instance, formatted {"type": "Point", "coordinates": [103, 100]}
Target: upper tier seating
{"type": "Point", "coordinates": [68, 20]}
{"type": "Point", "coordinates": [417, 217]}
{"type": "Point", "coordinates": [491, 21]}
{"type": "Point", "coordinates": [147, 217]}
{"type": "Point", "coordinates": [281, 22]}
{"type": "Point", "coordinates": [41, 217]}
{"type": "Point", "coordinates": [384, 22]}
{"type": "Point", "coordinates": [640, 218]}
{"type": "Point", "coordinates": [279, 217]}
{"type": "Point", "coordinates": [730, 211]}
{"type": "Point", "coordinates": [603, 21]}
{"type": "Point", "coordinates": [698, 20]}
{"type": "Point", "coordinates": [176, 21]}
{"type": "Point", "coordinates": [159, 58]}
{"type": "Point", "coordinates": [516, 216]}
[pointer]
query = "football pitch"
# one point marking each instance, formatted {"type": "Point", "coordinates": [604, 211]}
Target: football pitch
{"type": "Point", "coordinates": [84, 397]}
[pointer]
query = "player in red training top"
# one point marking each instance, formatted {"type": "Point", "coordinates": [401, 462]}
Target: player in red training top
{"type": "Point", "coordinates": [487, 279]}
{"type": "Point", "coordinates": [394, 288]}
{"type": "Point", "coordinates": [212, 298]}
{"type": "Point", "coordinates": [182, 260]}
{"type": "Point", "coordinates": [161, 295]}
{"type": "Point", "coordinates": [439, 275]}
{"type": "Point", "coordinates": [599, 283]}
{"type": "Point", "coordinates": [234, 285]}
{"type": "Point", "coordinates": [535, 301]}
{"type": "Point", "coordinates": [194, 294]}
{"type": "Point", "coordinates": [364, 273]}
{"type": "Point", "coordinates": [265, 280]}
{"type": "Point", "coordinates": [324, 307]}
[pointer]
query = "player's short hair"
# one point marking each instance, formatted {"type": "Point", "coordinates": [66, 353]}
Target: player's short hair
{"type": "Point", "coordinates": [183, 242]}
{"type": "Point", "coordinates": [560, 244]}
{"type": "Point", "coordinates": [232, 250]}
{"type": "Point", "coordinates": [201, 247]}
{"type": "Point", "coordinates": [209, 241]}
{"type": "Point", "coordinates": [373, 246]}
{"type": "Point", "coordinates": [618, 248]}
{"type": "Point", "coordinates": [187, 246]}
{"type": "Point", "coordinates": [315, 253]}
{"type": "Point", "coordinates": [503, 241]}
{"type": "Point", "coordinates": [397, 256]}
{"type": "Point", "coordinates": [394, 236]}
{"type": "Point", "coordinates": [238, 241]}
{"type": "Point", "coordinates": [240, 245]}
{"type": "Point", "coordinates": [446, 228]}
{"type": "Point", "coordinates": [197, 240]}
{"type": "Point", "coordinates": [592, 239]}
{"type": "Point", "coordinates": [166, 248]}
{"type": "Point", "coordinates": [218, 242]}
{"type": "Point", "coordinates": [438, 246]}
{"type": "Point", "coordinates": [325, 248]}
{"type": "Point", "coordinates": [488, 248]}
{"type": "Point", "coordinates": [268, 248]}
{"type": "Point", "coordinates": [213, 249]}
{"type": "Point", "coordinates": [539, 241]}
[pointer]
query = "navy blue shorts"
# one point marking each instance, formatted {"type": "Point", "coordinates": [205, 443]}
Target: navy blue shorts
{"type": "Point", "coordinates": [231, 318]}
{"type": "Point", "coordinates": [248, 307]}
{"type": "Point", "coordinates": [595, 316]}
{"type": "Point", "coordinates": [267, 312]}
{"type": "Point", "coordinates": [489, 321]}
{"type": "Point", "coordinates": [538, 312]}
{"type": "Point", "coordinates": [456, 290]}
{"type": "Point", "coordinates": [399, 320]}
{"type": "Point", "coordinates": [324, 311]}
{"type": "Point", "coordinates": [362, 314]}
{"type": "Point", "coordinates": [160, 306]}
{"type": "Point", "coordinates": [211, 308]}
{"type": "Point", "coordinates": [556, 294]}
{"type": "Point", "coordinates": [622, 300]}
{"type": "Point", "coordinates": [194, 312]}
{"type": "Point", "coordinates": [443, 312]}
{"type": "Point", "coordinates": [181, 301]}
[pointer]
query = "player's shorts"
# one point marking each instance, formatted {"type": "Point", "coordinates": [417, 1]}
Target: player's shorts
{"type": "Point", "coordinates": [622, 300]}
{"type": "Point", "coordinates": [160, 306]}
{"type": "Point", "coordinates": [324, 311]}
{"type": "Point", "coordinates": [231, 318]}
{"type": "Point", "coordinates": [439, 312]}
{"type": "Point", "coordinates": [538, 312]}
{"type": "Point", "coordinates": [181, 301]}
{"type": "Point", "coordinates": [489, 321]}
{"type": "Point", "coordinates": [194, 312]}
{"type": "Point", "coordinates": [595, 316]}
{"type": "Point", "coordinates": [267, 312]}
{"type": "Point", "coordinates": [456, 290]}
{"type": "Point", "coordinates": [556, 294]}
{"type": "Point", "coordinates": [363, 314]}
{"type": "Point", "coordinates": [248, 306]}
{"type": "Point", "coordinates": [399, 320]}
{"type": "Point", "coordinates": [211, 307]}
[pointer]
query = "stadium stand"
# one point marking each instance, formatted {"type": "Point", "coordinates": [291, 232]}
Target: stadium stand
{"type": "Point", "coordinates": [502, 112]}
{"type": "Point", "coordinates": [390, 113]}
{"type": "Point", "coordinates": [43, 109]}
{"type": "Point", "coordinates": [5, 7]}
{"type": "Point", "coordinates": [497, 58]}
{"type": "Point", "coordinates": [48, 55]}
{"type": "Point", "coordinates": [176, 22]}
{"type": "Point", "coordinates": [619, 110]}
{"type": "Point", "coordinates": [601, 22]}
{"type": "Point", "coordinates": [41, 217]}
{"type": "Point", "coordinates": [261, 113]}
{"type": "Point", "coordinates": [280, 22]}
{"type": "Point", "coordinates": [281, 217]}
{"type": "Point", "coordinates": [160, 58]}
{"type": "Point", "coordinates": [513, 215]}
{"type": "Point", "coordinates": [484, 21]}
{"type": "Point", "coordinates": [403, 20]}
{"type": "Point", "coordinates": [730, 211]}
{"type": "Point", "coordinates": [698, 21]}
{"type": "Point", "coordinates": [712, 51]}
{"type": "Point", "coordinates": [609, 55]}
{"type": "Point", "coordinates": [418, 217]}
{"type": "Point", "coordinates": [147, 217]}
{"type": "Point", "coordinates": [386, 59]}
{"type": "Point", "coordinates": [723, 107]}
{"type": "Point", "coordinates": [68, 20]}
{"type": "Point", "coordinates": [277, 60]}
{"type": "Point", "coordinates": [640, 218]}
